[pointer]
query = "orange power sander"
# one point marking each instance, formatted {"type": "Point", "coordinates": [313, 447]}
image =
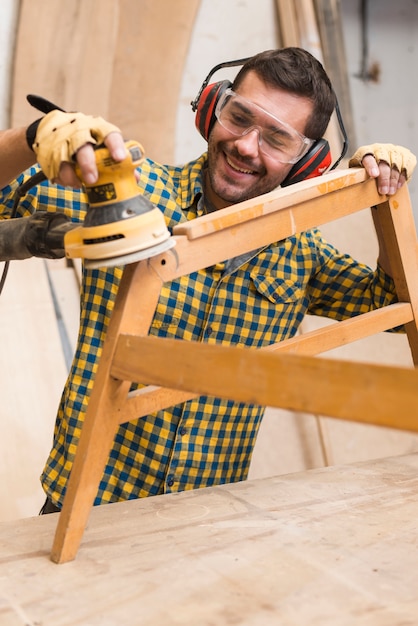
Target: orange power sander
{"type": "Point", "coordinates": [121, 225]}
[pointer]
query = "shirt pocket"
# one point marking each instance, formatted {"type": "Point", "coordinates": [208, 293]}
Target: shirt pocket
{"type": "Point", "coordinates": [277, 291]}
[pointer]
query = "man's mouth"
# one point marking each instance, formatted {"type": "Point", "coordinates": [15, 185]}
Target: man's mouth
{"type": "Point", "coordinates": [238, 168]}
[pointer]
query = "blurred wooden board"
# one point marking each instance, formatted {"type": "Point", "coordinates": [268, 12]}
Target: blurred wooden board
{"type": "Point", "coordinates": [122, 59]}
{"type": "Point", "coordinates": [33, 376]}
{"type": "Point", "coordinates": [324, 547]}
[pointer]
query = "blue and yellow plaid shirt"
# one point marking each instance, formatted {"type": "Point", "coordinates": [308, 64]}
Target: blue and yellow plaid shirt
{"type": "Point", "coordinates": [253, 300]}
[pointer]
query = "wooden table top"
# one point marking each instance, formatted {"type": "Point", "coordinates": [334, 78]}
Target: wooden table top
{"type": "Point", "coordinates": [335, 546]}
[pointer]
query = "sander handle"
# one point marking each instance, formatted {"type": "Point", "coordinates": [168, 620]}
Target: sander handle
{"type": "Point", "coordinates": [40, 235]}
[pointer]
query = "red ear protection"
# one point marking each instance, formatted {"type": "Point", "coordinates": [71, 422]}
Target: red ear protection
{"type": "Point", "coordinates": [206, 105]}
{"type": "Point", "coordinates": [314, 163]}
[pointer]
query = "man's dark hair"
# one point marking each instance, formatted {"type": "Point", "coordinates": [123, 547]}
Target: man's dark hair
{"type": "Point", "coordinates": [297, 71]}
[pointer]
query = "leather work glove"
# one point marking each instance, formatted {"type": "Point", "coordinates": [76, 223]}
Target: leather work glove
{"type": "Point", "coordinates": [395, 156]}
{"type": "Point", "coordinates": [60, 135]}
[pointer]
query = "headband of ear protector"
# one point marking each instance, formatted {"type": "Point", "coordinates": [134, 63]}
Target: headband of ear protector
{"type": "Point", "coordinates": [314, 163]}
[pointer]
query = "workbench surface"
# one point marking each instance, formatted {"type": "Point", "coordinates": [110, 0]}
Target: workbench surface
{"type": "Point", "coordinates": [335, 546]}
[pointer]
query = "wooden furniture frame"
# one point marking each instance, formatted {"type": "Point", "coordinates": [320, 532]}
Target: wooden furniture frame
{"type": "Point", "coordinates": [172, 371]}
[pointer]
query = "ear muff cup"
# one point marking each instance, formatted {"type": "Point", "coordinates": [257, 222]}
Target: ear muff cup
{"type": "Point", "coordinates": [205, 111]}
{"type": "Point", "coordinates": [314, 163]}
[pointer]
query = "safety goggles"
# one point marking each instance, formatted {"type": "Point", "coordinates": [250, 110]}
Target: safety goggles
{"type": "Point", "coordinates": [276, 139]}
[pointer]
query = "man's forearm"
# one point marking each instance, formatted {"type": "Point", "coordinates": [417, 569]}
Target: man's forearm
{"type": "Point", "coordinates": [15, 154]}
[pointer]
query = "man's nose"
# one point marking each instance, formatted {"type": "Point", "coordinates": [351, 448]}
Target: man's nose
{"type": "Point", "coordinates": [249, 141]}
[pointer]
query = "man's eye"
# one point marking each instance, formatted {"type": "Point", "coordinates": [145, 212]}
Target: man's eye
{"type": "Point", "coordinates": [277, 140]}
{"type": "Point", "coordinates": [274, 140]}
{"type": "Point", "coordinates": [240, 119]}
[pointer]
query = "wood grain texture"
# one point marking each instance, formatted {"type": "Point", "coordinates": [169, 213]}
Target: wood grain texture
{"type": "Point", "coordinates": [324, 547]}
{"type": "Point", "coordinates": [149, 61]}
{"type": "Point", "coordinates": [122, 59]}
{"type": "Point", "coordinates": [374, 394]}
{"type": "Point", "coordinates": [68, 58]}
{"type": "Point", "coordinates": [153, 397]}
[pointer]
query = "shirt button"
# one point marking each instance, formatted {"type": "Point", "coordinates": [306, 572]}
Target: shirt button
{"type": "Point", "coordinates": [183, 431]}
{"type": "Point", "coordinates": [170, 481]}
{"type": "Point", "coordinates": [209, 331]}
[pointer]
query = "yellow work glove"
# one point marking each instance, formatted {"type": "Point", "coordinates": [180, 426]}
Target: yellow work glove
{"type": "Point", "coordinates": [59, 135]}
{"type": "Point", "coordinates": [395, 156]}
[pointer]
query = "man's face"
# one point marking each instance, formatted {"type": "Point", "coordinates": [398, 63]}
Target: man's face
{"type": "Point", "coordinates": [237, 168]}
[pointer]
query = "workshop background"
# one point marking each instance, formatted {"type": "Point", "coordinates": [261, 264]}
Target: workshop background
{"type": "Point", "coordinates": [139, 63]}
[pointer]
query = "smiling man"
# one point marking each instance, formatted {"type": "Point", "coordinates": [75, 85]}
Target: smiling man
{"type": "Point", "coordinates": [258, 130]}
{"type": "Point", "coordinates": [259, 136]}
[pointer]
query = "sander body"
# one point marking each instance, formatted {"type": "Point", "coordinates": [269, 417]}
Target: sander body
{"type": "Point", "coordinates": [121, 225]}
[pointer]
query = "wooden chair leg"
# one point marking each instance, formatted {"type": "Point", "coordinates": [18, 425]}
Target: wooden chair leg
{"type": "Point", "coordinates": [103, 415]}
{"type": "Point", "coordinates": [395, 220]}
{"type": "Point", "coordinates": [93, 450]}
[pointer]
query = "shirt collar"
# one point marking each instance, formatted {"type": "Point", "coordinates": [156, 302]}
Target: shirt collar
{"type": "Point", "coordinates": [191, 182]}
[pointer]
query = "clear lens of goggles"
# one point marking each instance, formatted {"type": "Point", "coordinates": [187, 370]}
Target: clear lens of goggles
{"type": "Point", "coordinates": [276, 139]}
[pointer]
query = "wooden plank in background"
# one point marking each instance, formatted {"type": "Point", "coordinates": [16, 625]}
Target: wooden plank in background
{"type": "Point", "coordinates": [150, 55]}
{"type": "Point", "coordinates": [33, 373]}
{"type": "Point", "coordinates": [288, 25]}
{"type": "Point", "coordinates": [122, 59]}
{"type": "Point", "coordinates": [329, 20]}
{"type": "Point", "coordinates": [67, 57]}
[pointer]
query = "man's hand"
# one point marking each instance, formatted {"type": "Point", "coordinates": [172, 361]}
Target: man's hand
{"type": "Point", "coordinates": [391, 165]}
{"type": "Point", "coordinates": [389, 179]}
{"type": "Point", "coordinates": [64, 138]}
{"type": "Point", "coordinates": [87, 162]}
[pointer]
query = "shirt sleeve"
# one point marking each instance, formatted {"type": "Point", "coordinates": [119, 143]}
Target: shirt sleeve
{"type": "Point", "coordinates": [341, 287]}
{"type": "Point", "coordinates": [45, 196]}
